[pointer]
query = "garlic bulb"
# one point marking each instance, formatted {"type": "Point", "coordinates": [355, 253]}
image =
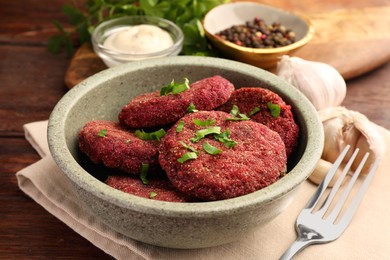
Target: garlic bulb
{"type": "Point", "coordinates": [319, 82]}
{"type": "Point", "coordinates": [342, 127]}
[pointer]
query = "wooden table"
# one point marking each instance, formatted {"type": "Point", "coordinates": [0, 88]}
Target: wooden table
{"type": "Point", "coordinates": [31, 83]}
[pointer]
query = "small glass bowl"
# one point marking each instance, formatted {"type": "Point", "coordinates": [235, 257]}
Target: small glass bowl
{"type": "Point", "coordinates": [113, 58]}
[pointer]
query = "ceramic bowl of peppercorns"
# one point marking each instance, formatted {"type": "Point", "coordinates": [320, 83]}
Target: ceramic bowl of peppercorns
{"type": "Point", "coordinates": [256, 34]}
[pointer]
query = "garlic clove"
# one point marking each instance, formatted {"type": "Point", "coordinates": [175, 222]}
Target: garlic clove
{"type": "Point", "coordinates": [321, 83]}
{"type": "Point", "coordinates": [322, 169]}
{"type": "Point", "coordinates": [342, 127]}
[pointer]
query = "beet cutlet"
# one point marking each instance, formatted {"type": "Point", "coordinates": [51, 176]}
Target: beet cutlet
{"type": "Point", "coordinates": [116, 147]}
{"type": "Point", "coordinates": [155, 188]}
{"type": "Point", "coordinates": [266, 107]}
{"type": "Point", "coordinates": [212, 158]}
{"type": "Point", "coordinates": [157, 110]}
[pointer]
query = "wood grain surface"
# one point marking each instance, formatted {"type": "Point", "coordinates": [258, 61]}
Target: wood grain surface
{"type": "Point", "coordinates": [32, 82]}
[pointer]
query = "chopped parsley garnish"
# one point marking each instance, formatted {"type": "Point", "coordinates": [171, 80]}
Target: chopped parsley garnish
{"type": "Point", "coordinates": [191, 108]}
{"type": "Point", "coordinates": [235, 112]}
{"type": "Point", "coordinates": [274, 108]}
{"type": "Point", "coordinates": [144, 173]}
{"type": "Point", "coordinates": [102, 133]}
{"type": "Point", "coordinates": [242, 117]}
{"type": "Point", "coordinates": [225, 139]}
{"type": "Point", "coordinates": [207, 131]}
{"type": "Point", "coordinates": [152, 194]}
{"type": "Point", "coordinates": [175, 88]}
{"type": "Point", "coordinates": [210, 149]}
{"type": "Point", "coordinates": [254, 111]}
{"type": "Point", "coordinates": [156, 135]}
{"type": "Point", "coordinates": [208, 122]}
{"type": "Point", "coordinates": [187, 156]}
{"type": "Point", "coordinates": [179, 127]}
{"type": "Point", "coordinates": [192, 149]}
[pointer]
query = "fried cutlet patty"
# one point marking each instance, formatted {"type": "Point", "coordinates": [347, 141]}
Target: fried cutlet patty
{"type": "Point", "coordinates": [116, 147]}
{"type": "Point", "coordinates": [155, 110]}
{"type": "Point", "coordinates": [158, 188]}
{"type": "Point", "coordinates": [248, 99]}
{"type": "Point", "coordinates": [251, 156]}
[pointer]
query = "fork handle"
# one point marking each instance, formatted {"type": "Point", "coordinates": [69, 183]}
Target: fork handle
{"type": "Point", "coordinates": [294, 248]}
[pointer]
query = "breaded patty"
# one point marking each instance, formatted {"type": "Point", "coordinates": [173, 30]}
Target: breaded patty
{"type": "Point", "coordinates": [156, 188]}
{"type": "Point", "coordinates": [116, 147]}
{"type": "Point", "coordinates": [257, 104]}
{"type": "Point", "coordinates": [155, 110]}
{"type": "Point", "coordinates": [227, 158]}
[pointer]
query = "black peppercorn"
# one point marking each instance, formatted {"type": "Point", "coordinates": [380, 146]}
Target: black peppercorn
{"type": "Point", "coordinates": [258, 34]}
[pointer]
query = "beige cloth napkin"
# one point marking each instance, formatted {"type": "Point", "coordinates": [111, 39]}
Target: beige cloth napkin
{"type": "Point", "coordinates": [368, 236]}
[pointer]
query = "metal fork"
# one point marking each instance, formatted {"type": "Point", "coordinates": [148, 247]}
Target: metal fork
{"type": "Point", "coordinates": [315, 225]}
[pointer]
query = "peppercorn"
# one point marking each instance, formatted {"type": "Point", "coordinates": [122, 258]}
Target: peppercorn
{"type": "Point", "coordinates": [257, 34]}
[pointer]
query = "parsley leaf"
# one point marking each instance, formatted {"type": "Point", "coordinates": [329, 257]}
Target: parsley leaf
{"type": "Point", "coordinates": [191, 108]}
{"type": "Point", "coordinates": [254, 111]}
{"type": "Point", "coordinates": [175, 88]}
{"type": "Point", "coordinates": [102, 133]}
{"type": "Point", "coordinates": [225, 139]}
{"type": "Point", "coordinates": [274, 108]}
{"type": "Point", "coordinates": [210, 149]}
{"type": "Point", "coordinates": [152, 194]}
{"type": "Point", "coordinates": [208, 122]}
{"type": "Point", "coordinates": [179, 127]}
{"type": "Point", "coordinates": [187, 156]}
{"type": "Point", "coordinates": [207, 131]}
{"type": "Point", "coordinates": [192, 149]}
{"type": "Point", "coordinates": [156, 135]}
{"type": "Point", "coordinates": [144, 173]}
{"type": "Point", "coordinates": [235, 112]}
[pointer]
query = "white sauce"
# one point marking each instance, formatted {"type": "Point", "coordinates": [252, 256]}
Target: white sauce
{"type": "Point", "coordinates": [139, 39]}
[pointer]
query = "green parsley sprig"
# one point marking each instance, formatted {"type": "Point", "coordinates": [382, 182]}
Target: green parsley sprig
{"type": "Point", "coordinates": [175, 88]}
{"type": "Point", "coordinates": [187, 14]}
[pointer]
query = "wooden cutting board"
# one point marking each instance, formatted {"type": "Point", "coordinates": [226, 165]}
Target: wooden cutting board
{"type": "Point", "coordinates": [352, 36]}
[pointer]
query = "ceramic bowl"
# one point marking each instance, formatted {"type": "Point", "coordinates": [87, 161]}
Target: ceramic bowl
{"type": "Point", "coordinates": [114, 57]}
{"type": "Point", "coordinates": [169, 224]}
{"type": "Point", "coordinates": [226, 15]}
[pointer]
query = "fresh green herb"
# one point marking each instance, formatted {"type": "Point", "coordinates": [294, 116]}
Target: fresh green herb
{"type": "Point", "coordinates": [152, 194]}
{"type": "Point", "coordinates": [102, 133]}
{"type": "Point", "coordinates": [175, 88]}
{"type": "Point", "coordinates": [207, 131]}
{"type": "Point", "coordinates": [156, 135]}
{"type": "Point", "coordinates": [144, 173]}
{"type": "Point", "coordinates": [179, 127]}
{"type": "Point", "coordinates": [192, 149]}
{"type": "Point", "coordinates": [207, 122]}
{"type": "Point", "coordinates": [187, 14]}
{"type": "Point", "coordinates": [191, 108]}
{"type": "Point", "coordinates": [242, 117]}
{"type": "Point", "coordinates": [274, 108]}
{"type": "Point", "coordinates": [235, 112]}
{"type": "Point", "coordinates": [210, 149]}
{"type": "Point", "coordinates": [254, 111]}
{"type": "Point", "coordinates": [225, 139]}
{"type": "Point", "coordinates": [187, 156]}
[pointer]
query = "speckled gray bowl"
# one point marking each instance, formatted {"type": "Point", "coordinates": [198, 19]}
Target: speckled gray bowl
{"type": "Point", "coordinates": [167, 224]}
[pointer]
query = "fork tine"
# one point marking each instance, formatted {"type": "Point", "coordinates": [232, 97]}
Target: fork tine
{"type": "Point", "coordinates": [347, 190]}
{"type": "Point", "coordinates": [322, 187]}
{"type": "Point", "coordinates": [337, 185]}
{"type": "Point", "coordinates": [347, 217]}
